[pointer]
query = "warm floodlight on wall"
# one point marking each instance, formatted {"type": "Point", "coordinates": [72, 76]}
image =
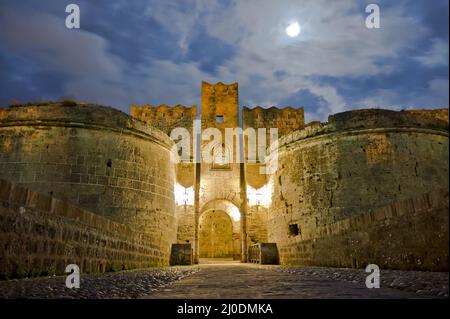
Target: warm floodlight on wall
{"type": "Point", "coordinates": [259, 197]}
{"type": "Point", "coordinates": [184, 196]}
{"type": "Point", "coordinates": [235, 214]}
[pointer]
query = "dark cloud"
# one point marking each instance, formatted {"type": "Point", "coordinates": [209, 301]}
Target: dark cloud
{"type": "Point", "coordinates": [159, 51]}
{"type": "Point", "coordinates": [209, 52]}
{"type": "Point", "coordinates": [24, 80]}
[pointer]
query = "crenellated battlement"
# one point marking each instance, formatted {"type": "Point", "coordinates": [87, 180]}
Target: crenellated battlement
{"type": "Point", "coordinates": [376, 120]}
{"type": "Point", "coordinates": [220, 105]}
{"type": "Point", "coordinates": [165, 117]}
{"type": "Point", "coordinates": [219, 85]}
{"type": "Point", "coordinates": [80, 115]}
{"type": "Point", "coordinates": [360, 170]}
{"type": "Point", "coordinates": [286, 119]}
{"type": "Point", "coordinates": [368, 118]}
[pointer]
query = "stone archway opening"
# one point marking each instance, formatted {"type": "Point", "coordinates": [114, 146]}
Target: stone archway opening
{"type": "Point", "coordinates": [215, 236]}
{"type": "Point", "coordinates": [219, 232]}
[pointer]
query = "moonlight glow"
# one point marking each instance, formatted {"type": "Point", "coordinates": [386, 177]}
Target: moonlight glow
{"type": "Point", "coordinates": [293, 30]}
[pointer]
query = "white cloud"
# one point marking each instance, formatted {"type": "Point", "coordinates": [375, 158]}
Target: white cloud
{"type": "Point", "coordinates": [164, 81]}
{"type": "Point", "coordinates": [439, 89]}
{"type": "Point", "coordinates": [177, 21]}
{"type": "Point", "coordinates": [388, 98]}
{"type": "Point", "coordinates": [75, 51]}
{"type": "Point", "coordinates": [383, 98]}
{"type": "Point", "coordinates": [437, 55]}
{"type": "Point", "coordinates": [82, 56]}
{"type": "Point", "coordinates": [334, 42]}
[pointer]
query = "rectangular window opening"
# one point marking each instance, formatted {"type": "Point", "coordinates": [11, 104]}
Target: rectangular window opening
{"type": "Point", "coordinates": [294, 230]}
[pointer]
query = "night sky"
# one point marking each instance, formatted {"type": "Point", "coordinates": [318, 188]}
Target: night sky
{"type": "Point", "coordinates": [159, 51]}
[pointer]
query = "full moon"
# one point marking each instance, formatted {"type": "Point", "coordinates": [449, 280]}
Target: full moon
{"type": "Point", "coordinates": [293, 30]}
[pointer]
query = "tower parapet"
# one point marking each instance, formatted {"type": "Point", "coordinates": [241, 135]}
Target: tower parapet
{"type": "Point", "coordinates": [165, 117]}
{"type": "Point", "coordinates": [363, 168]}
{"type": "Point", "coordinates": [220, 107]}
{"type": "Point", "coordinates": [97, 158]}
{"type": "Point", "coordinates": [286, 119]}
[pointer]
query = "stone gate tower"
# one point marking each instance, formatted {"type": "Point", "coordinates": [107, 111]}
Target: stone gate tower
{"type": "Point", "coordinates": [97, 187]}
{"type": "Point", "coordinates": [221, 183]}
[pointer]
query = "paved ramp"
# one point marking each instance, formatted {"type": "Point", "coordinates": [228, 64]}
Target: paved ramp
{"type": "Point", "coordinates": [230, 280]}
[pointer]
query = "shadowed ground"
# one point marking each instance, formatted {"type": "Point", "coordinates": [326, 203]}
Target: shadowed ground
{"type": "Point", "coordinates": [235, 280]}
{"type": "Point", "coordinates": [230, 279]}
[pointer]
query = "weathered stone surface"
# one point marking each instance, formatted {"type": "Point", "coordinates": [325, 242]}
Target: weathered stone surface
{"type": "Point", "coordinates": [120, 285]}
{"type": "Point", "coordinates": [334, 179]}
{"type": "Point", "coordinates": [234, 280]}
{"type": "Point", "coordinates": [416, 238]}
{"type": "Point", "coordinates": [423, 283]}
{"type": "Point", "coordinates": [220, 182]}
{"type": "Point", "coordinates": [164, 117]}
{"type": "Point", "coordinates": [186, 224]}
{"type": "Point", "coordinates": [369, 186]}
{"type": "Point", "coordinates": [93, 157]}
{"type": "Point", "coordinates": [43, 235]}
{"type": "Point", "coordinates": [285, 120]}
{"type": "Point", "coordinates": [257, 224]}
{"type": "Point", "coordinates": [216, 235]}
{"type": "Point", "coordinates": [247, 281]}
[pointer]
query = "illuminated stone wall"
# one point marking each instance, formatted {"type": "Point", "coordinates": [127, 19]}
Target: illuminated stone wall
{"type": "Point", "coordinates": [186, 224]}
{"type": "Point", "coordinates": [257, 224]}
{"type": "Point", "coordinates": [218, 182]}
{"type": "Point", "coordinates": [167, 118]}
{"type": "Point", "coordinates": [96, 158]}
{"type": "Point", "coordinates": [40, 235]}
{"type": "Point", "coordinates": [341, 195]}
{"type": "Point", "coordinates": [360, 160]}
{"type": "Point", "coordinates": [286, 119]}
{"type": "Point", "coordinates": [164, 117]}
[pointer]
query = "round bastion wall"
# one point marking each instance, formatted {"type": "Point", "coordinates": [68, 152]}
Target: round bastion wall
{"type": "Point", "coordinates": [358, 161]}
{"type": "Point", "coordinates": [97, 158]}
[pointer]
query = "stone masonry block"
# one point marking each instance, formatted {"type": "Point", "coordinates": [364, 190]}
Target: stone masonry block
{"type": "Point", "coordinates": [5, 189]}
{"type": "Point", "coordinates": [18, 195]}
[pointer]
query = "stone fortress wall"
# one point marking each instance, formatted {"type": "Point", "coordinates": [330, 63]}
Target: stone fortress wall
{"type": "Point", "coordinates": [220, 188]}
{"type": "Point", "coordinates": [286, 119]}
{"type": "Point", "coordinates": [96, 158]}
{"type": "Point", "coordinates": [220, 100]}
{"type": "Point", "coordinates": [331, 174]}
{"type": "Point", "coordinates": [165, 117]}
{"type": "Point", "coordinates": [40, 235]}
{"type": "Point", "coordinates": [368, 186]}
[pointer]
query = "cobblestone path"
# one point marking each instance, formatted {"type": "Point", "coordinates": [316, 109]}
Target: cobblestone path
{"type": "Point", "coordinates": [120, 285]}
{"type": "Point", "coordinates": [230, 280]}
